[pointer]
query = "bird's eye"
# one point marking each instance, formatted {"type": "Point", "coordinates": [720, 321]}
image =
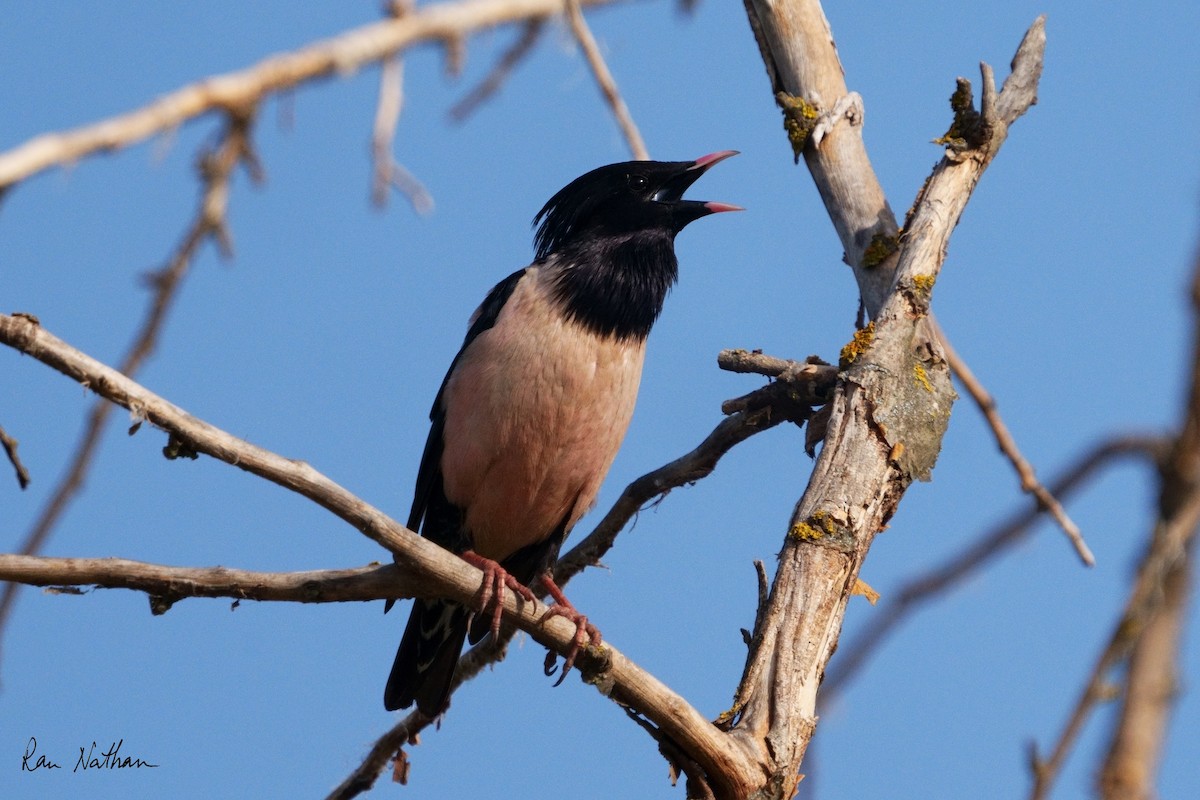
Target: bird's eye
{"type": "Point", "coordinates": [637, 182]}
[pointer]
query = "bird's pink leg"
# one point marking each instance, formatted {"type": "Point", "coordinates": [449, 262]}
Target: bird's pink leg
{"type": "Point", "coordinates": [584, 630]}
{"type": "Point", "coordinates": [491, 590]}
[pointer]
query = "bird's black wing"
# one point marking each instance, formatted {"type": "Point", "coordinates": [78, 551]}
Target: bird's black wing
{"type": "Point", "coordinates": [429, 475]}
{"type": "Point", "coordinates": [428, 652]}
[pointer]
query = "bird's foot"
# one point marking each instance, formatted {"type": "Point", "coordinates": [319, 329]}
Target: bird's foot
{"type": "Point", "coordinates": [491, 590]}
{"type": "Point", "coordinates": [585, 632]}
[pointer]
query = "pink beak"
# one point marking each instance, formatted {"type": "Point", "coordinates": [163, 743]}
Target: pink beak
{"type": "Point", "coordinates": [704, 162]}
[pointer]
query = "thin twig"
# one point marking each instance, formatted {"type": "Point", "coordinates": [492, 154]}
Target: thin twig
{"type": "Point", "coordinates": [798, 388]}
{"type": "Point", "coordinates": [10, 449]}
{"type": "Point", "coordinates": [382, 753]}
{"type": "Point", "coordinates": [388, 173]}
{"type": "Point", "coordinates": [531, 31]}
{"type": "Point", "coordinates": [935, 582]}
{"type": "Point", "coordinates": [755, 362]}
{"type": "Point", "coordinates": [604, 78]}
{"type": "Point", "coordinates": [387, 115]}
{"type": "Point", "coordinates": [216, 168]}
{"type": "Point", "coordinates": [687, 469]}
{"type": "Point", "coordinates": [1004, 439]}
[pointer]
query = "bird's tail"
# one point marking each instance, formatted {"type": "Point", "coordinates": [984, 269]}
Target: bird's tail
{"type": "Point", "coordinates": [425, 660]}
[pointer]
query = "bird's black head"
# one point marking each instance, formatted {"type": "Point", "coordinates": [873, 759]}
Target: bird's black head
{"type": "Point", "coordinates": [608, 241]}
{"type": "Point", "coordinates": [625, 198]}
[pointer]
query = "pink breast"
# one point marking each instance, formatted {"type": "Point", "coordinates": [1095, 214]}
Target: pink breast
{"type": "Point", "coordinates": [535, 414]}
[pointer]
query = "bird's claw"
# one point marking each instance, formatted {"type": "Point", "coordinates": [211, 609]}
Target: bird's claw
{"type": "Point", "coordinates": [491, 589]}
{"type": "Point", "coordinates": [585, 632]}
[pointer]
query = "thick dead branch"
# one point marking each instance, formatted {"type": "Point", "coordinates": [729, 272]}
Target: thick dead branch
{"type": "Point", "coordinates": [436, 572]}
{"type": "Point", "coordinates": [890, 412]}
{"type": "Point", "coordinates": [809, 84]}
{"type": "Point", "coordinates": [247, 88]}
{"type": "Point", "coordinates": [215, 168]}
{"type": "Point", "coordinates": [755, 362]}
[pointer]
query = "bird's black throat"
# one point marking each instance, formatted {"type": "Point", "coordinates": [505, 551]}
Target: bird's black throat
{"type": "Point", "coordinates": [616, 285]}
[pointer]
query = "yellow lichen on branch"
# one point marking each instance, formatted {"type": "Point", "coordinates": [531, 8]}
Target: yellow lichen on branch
{"type": "Point", "coordinates": [799, 120]}
{"type": "Point", "coordinates": [857, 345]}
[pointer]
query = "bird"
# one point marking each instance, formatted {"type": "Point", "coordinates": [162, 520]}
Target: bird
{"type": "Point", "coordinates": [535, 405]}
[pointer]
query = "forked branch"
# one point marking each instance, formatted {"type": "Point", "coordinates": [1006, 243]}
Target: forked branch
{"type": "Point", "coordinates": [895, 381]}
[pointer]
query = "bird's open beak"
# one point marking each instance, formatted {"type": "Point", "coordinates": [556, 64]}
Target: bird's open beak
{"type": "Point", "coordinates": [689, 174]}
{"type": "Point", "coordinates": [704, 162]}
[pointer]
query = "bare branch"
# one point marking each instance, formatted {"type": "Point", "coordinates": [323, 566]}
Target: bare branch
{"type": "Point", "coordinates": [169, 584]}
{"type": "Point", "coordinates": [894, 383]}
{"type": "Point", "coordinates": [191, 435]}
{"type": "Point", "coordinates": [388, 173]}
{"type": "Point", "coordinates": [797, 388]}
{"type": "Point", "coordinates": [470, 664]}
{"type": "Point", "coordinates": [684, 470]}
{"type": "Point", "coordinates": [1165, 556]}
{"type": "Point", "coordinates": [10, 449]}
{"type": "Point", "coordinates": [1152, 687]}
{"type": "Point", "coordinates": [1146, 636]}
{"type": "Point", "coordinates": [688, 468]}
{"type": "Point", "coordinates": [809, 84]}
{"type": "Point", "coordinates": [436, 572]}
{"type": "Point", "coordinates": [387, 116]}
{"type": "Point", "coordinates": [1151, 679]}
{"type": "Point", "coordinates": [247, 88]}
{"type": "Point", "coordinates": [1020, 87]}
{"type": "Point", "coordinates": [956, 570]}
{"type": "Point", "coordinates": [1029, 482]}
{"type": "Point", "coordinates": [385, 749]}
{"type": "Point", "coordinates": [531, 32]}
{"type": "Point", "coordinates": [216, 169]}
{"type": "Point", "coordinates": [755, 362]}
{"type": "Point", "coordinates": [604, 78]}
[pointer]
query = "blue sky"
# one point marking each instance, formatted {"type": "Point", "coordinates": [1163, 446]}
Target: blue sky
{"type": "Point", "coordinates": [326, 336]}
